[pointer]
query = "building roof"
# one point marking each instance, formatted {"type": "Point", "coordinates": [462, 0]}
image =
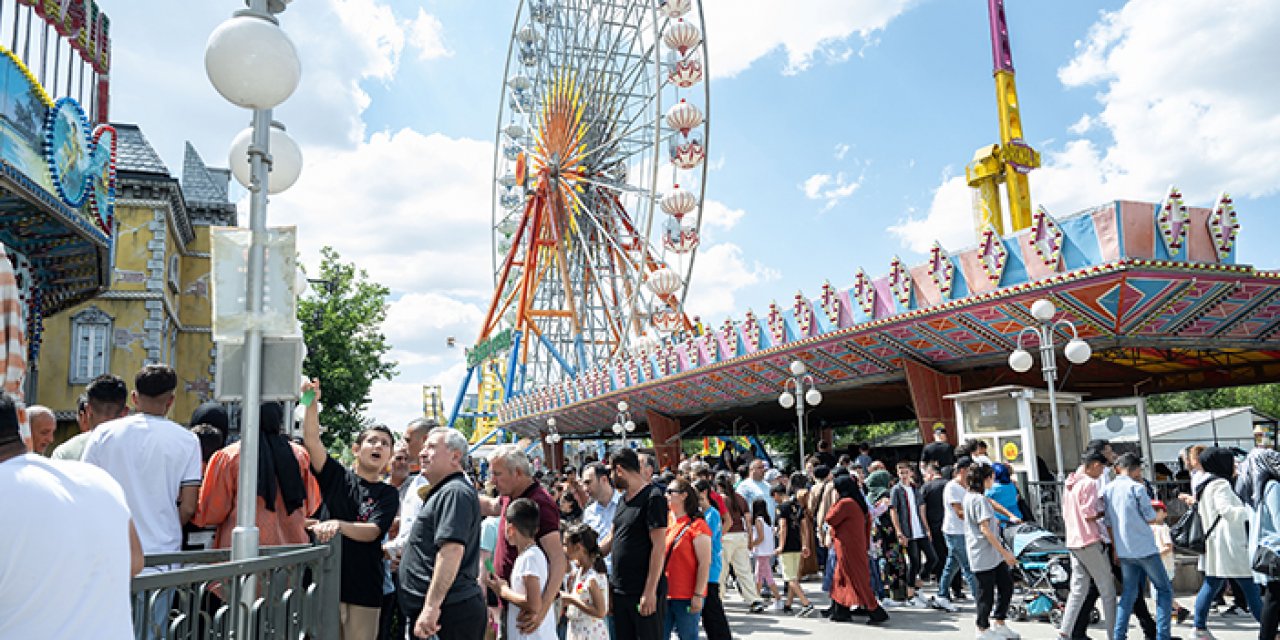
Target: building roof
{"type": "Point", "coordinates": [134, 153]}
{"type": "Point", "coordinates": [201, 183]}
{"type": "Point", "coordinates": [1165, 424]}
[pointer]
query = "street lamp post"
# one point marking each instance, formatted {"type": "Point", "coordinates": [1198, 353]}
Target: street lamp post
{"type": "Point", "coordinates": [253, 64]}
{"type": "Point", "coordinates": [798, 391]}
{"type": "Point", "coordinates": [1077, 352]}
{"type": "Point", "coordinates": [622, 423]}
{"type": "Point", "coordinates": [552, 438]}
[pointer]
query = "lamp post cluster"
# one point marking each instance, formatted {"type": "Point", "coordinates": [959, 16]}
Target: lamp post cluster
{"type": "Point", "coordinates": [622, 423]}
{"type": "Point", "coordinates": [1077, 351]}
{"type": "Point", "coordinates": [799, 391]}
{"type": "Point", "coordinates": [253, 64]}
{"type": "Point", "coordinates": [552, 438]}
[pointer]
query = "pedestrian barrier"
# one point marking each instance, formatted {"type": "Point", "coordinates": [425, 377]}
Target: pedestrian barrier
{"type": "Point", "coordinates": [293, 589]}
{"type": "Point", "coordinates": [1045, 499]}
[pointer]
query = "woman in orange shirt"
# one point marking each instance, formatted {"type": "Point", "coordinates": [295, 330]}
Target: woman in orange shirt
{"type": "Point", "coordinates": [688, 562]}
{"type": "Point", "coordinates": [287, 492]}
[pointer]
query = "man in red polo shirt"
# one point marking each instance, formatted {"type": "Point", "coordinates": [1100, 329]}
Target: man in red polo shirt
{"type": "Point", "coordinates": [512, 473]}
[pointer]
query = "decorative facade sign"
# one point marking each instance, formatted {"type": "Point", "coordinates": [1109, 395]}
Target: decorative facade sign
{"type": "Point", "coordinates": [751, 331]}
{"type": "Point", "coordinates": [992, 255]}
{"type": "Point", "coordinates": [831, 303]}
{"type": "Point", "coordinates": [777, 324]}
{"type": "Point", "coordinates": [865, 292]}
{"type": "Point", "coordinates": [494, 346]}
{"type": "Point", "coordinates": [900, 283]}
{"type": "Point", "coordinates": [941, 270]}
{"type": "Point", "coordinates": [1223, 226]}
{"type": "Point", "coordinates": [1172, 221]}
{"type": "Point", "coordinates": [804, 315]}
{"type": "Point", "coordinates": [1046, 238]}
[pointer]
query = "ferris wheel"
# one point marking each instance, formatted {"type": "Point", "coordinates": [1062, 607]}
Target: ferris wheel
{"type": "Point", "coordinates": [599, 174]}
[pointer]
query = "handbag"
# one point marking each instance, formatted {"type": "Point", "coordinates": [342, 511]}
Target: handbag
{"type": "Point", "coordinates": [1188, 533]}
{"type": "Point", "coordinates": [1266, 558]}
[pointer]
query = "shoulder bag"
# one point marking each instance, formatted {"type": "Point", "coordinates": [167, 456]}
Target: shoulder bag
{"type": "Point", "coordinates": [1188, 533]}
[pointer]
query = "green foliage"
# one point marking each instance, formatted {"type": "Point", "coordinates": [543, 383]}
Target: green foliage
{"type": "Point", "coordinates": [1262, 397]}
{"type": "Point", "coordinates": [346, 350]}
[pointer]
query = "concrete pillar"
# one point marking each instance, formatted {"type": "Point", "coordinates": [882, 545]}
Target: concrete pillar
{"type": "Point", "coordinates": [661, 429]}
{"type": "Point", "coordinates": [927, 387]}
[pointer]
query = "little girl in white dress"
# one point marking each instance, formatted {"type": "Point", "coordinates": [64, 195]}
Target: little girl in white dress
{"type": "Point", "coordinates": [586, 598]}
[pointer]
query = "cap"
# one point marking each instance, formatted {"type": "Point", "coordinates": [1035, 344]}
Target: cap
{"type": "Point", "coordinates": [1156, 504]}
{"type": "Point", "coordinates": [771, 475]}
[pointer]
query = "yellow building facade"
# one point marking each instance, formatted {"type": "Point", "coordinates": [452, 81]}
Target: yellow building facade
{"type": "Point", "coordinates": [157, 307]}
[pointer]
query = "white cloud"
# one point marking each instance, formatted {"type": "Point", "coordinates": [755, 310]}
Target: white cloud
{"type": "Point", "coordinates": [426, 33]}
{"type": "Point", "coordinates": [830, 189]}
{"type": "Point", "coordinates": [841, 151]}
{"type": "Point", "coordinates": [1188, 106]}
{"type": "Point", "coordinates": [949, 219]}
{"type": "Point", "coordinates": [720, 272]}
{"type": "Point", "coordinates": [718, 215]}
{"type": "Point", "coordinates": [1191, 106]}
{"type": "Point", "coordinates": [743, 31]}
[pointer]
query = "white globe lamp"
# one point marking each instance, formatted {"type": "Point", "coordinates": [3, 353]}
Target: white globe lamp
{"type": "Point", "coordinates": [1043, 310]}
{"type": "Point", "coordinates": [252, 62]}
{"type": "Point", "coordinates": [622, 405]}
{"type": "Point", "coordinates": [1020, 360]}
{"type": "Point", "coordinates": [286, 159]}
{"type": "Point", "coordinates": [1078, 351]}
{"type": "Point", "coordinates": [629, 426]}
{"type": "Point", "coordinates": [798, 368]}
{"type": "Point", "coordinates": [813, 397]}
{"type": "Point", "coordinates": [787, 400]}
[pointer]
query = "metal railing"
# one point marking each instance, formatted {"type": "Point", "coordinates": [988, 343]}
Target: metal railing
{"type": "Point", "coordinates": [295, 594]}
{"type": "Point", "coordinates": [1045, 499]}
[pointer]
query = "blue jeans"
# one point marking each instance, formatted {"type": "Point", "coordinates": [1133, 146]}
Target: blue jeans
{"type": "Point", "coordinates": [1209, 590]}
{"type": "Point", "coordinates": [957, 560]}
{"type": "Point", "coordinates": [829, 572]}
{"type": "Point", "coordinates": [1133, 570]}
{"type": "Point", "coordinates": [680, 619]}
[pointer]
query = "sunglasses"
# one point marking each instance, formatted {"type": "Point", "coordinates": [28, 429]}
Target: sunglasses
{"type": "Point", "coordinates": [673, 492]}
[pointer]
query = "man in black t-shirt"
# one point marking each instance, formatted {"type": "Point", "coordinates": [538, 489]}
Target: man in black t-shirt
{"type": "Point", "coordinates": [940, 451]}
{"type": "Point", "coordinates": [793, 546]}
{"type": "Point", "coordinates": [361, 507]}
{"type": "Point", "coordinates": [931, 494]}
{"type": "Point", "coordinates": [638, 544]}
{"type": "Point", "coordinates": [439, 592]}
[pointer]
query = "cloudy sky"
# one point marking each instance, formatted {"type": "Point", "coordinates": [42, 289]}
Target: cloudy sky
{"type": "Point", "coordinates": [840, 131]}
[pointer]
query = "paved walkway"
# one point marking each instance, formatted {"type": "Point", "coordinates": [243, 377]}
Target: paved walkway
{"type": "Point", "coordinates": [928, 624]}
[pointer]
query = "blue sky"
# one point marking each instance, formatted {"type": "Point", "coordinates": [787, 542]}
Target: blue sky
{"type": "Point", "coordinates": [839, 134]}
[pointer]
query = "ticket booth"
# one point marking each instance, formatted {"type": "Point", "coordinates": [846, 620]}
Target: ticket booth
{"type": "Point", "coordinates": [1016, 424]}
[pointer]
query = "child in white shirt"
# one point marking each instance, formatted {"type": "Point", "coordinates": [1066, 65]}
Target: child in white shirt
{"type": "Point", "coordinates": [1164, 541]}
{"type": "Point", "coordinates": [763, 545]}
{"type": "Point", "coordinates": [528, 576]}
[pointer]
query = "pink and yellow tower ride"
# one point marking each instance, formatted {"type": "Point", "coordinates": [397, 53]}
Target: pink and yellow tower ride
{"type": "Point", "coordinates": [1010, 161]}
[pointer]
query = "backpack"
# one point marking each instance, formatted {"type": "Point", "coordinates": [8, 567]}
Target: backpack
{"type": "Point", "coordinates": [1188, 533]}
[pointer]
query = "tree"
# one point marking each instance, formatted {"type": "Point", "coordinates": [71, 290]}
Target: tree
{"type": "Point", "coordinates": [342, 327]}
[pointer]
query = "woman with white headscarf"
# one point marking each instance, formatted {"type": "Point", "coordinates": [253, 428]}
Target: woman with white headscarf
{"type": "Point", "coordinates": [1261, 471]}
{"type": "Point", "coordinates": [1225, 520]}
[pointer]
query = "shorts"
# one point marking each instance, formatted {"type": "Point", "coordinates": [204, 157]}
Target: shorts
{"type": "Point", "coordinates": [790, 561]}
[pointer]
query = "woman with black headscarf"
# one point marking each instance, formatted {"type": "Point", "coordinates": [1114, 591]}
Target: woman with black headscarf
{"type": "Point", "coordinates": [1225, 520]}
{"type": "Point", "coordinates": [851, 530]}
{"type": "Point", "coordinates": [1261, 472]}
{"type": "Point", "coordinates": [287, 493]}
{"type": "Point", "coordinates": [213, 414]}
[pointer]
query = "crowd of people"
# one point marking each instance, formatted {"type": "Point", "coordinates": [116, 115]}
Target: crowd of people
{"type": "Point", "coordinates": [436, 545]}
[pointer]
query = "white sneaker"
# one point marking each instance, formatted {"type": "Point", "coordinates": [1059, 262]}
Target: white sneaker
{"type": "Point", "coordinates": [893, 603]}
{"type": "Point", "coordinates": [1004, 631]}
{"type": "Point", "coordinates": [777, 605]}
{"type": "Point", "coordinates": [989, 634]}
{"type": "Point", "coordinates": [944, 604]}
{"type": "Point", "coordinates": [919, 602]}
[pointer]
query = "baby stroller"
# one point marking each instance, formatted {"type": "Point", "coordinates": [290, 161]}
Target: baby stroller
{"type": "Point", "coordinates": [1043, 571]}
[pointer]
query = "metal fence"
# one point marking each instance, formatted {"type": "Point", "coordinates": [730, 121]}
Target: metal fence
{"type": "Point", "coordinates": [287, 592]}
{"type": "Point", "coordinates": [1045, 500]}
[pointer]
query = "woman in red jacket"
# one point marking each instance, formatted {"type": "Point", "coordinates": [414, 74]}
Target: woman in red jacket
{"type": "Point", "coordinates": [851, 591]}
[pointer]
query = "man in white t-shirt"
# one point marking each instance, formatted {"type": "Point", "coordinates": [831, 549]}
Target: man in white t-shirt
{"type": "Point", "coordinates": [953, 530]}
{"type": "Point", "coordinates": [69, 546]}
{"type": "Point", "coordinates": [755, 488]}
{"type": "Point", "coordinates": [156, 461]}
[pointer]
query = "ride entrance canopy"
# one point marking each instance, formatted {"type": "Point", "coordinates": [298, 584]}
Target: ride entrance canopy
{"type": "Point", "coordinates": [598, 185]}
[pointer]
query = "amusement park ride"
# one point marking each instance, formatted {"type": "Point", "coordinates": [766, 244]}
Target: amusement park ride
{"type": "Point", "coordinates": [585, 269]}
{"type": "Point", "coordinates": [588, 307]}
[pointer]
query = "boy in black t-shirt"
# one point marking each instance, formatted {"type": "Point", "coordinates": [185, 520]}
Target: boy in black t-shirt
{"type": "Point", "coordinates": [638, 545]}
{"type": "Point", "coordinates": [791, 548]}
{"type": "Point", "coordinates": [361, 507]}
